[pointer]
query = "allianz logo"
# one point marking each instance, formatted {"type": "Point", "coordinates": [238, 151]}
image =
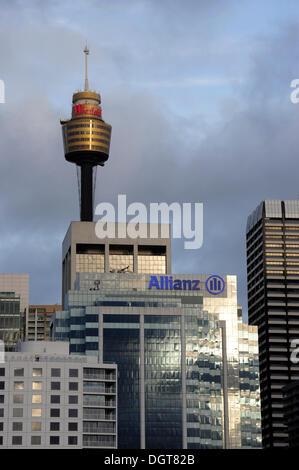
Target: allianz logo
{"type": "Point", "coordinates": [214, 284]}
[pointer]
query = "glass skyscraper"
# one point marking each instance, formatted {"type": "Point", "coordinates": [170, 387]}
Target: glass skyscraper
{"type": "Point", "coordinates": [187, 366]}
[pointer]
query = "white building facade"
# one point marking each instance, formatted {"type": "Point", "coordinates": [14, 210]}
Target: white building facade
{"type": "Point", "coordinates": [49, 399]}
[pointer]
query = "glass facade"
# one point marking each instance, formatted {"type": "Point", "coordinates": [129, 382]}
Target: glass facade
{"type": "Point", "coordinates": [122, 346]}
{"type": "Point", "coordinates": [205, 407]}
{"type": "Point", "coordinates": [90, 263]}
{"type": "Point", "coordinates": [119, 262]}
{"type": "Point", "coordinates": [187, 368]}
{"type": "Point", "coordinates": [162, 381]}
{"type": "Point", "coordinates": [152, 264]}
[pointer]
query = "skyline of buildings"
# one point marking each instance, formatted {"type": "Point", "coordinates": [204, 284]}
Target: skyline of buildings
{"type": "Point", "coordinates": [188, 369]}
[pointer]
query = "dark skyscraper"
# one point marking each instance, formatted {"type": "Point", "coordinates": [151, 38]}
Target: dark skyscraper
{"type": "Point", "coordinates": [273, 305]}
{"type": "Point", "coordinates": [86, 139]}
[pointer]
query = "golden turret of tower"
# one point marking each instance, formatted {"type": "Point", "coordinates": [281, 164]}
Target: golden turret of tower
{"type": "Point", "coordinates": [86, 136]}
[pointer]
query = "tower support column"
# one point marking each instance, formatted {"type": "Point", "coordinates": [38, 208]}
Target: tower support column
{"type": "Point", "coordinates": [86, 210]}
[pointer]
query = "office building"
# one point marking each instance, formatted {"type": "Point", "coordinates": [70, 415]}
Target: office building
{"type": "Point", "coordinates": [83, 251]}
{"type": "Point", "coordinates": [49, 399]}
{"type": "Point", "coordinates": [273, 305]}
{"type": "Point", "coordinates": [38, 322]}
{"type": "Point", "coordinates": [187, 367]}
{"type": "Point", "coordinates": [14, 293]}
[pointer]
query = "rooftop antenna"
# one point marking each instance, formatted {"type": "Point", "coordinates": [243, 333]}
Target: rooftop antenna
{"type": "Point", "coordinates": [86, 52]}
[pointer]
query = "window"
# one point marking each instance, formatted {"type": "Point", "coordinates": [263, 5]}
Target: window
{"type": "Point", "coordinates": [2, 385]}
{"type": "Point", "coordinates": [36, 412]}
{"type": "Point", "coordinates": [18, 398]}
{"type": "Point", "coordinates": [19, 372]}
{"type": "Point", "coordinates": [2, 372]}
{"type": "Point", "coordinates": [1, 412]}
{"type": "Point", "coordinates": [18, 385]}
{"type": "Point", "coordinates": [37, 385]}
{"type": "Point", "coordinates": [55, 398]}
{"type": "Point", "coordinates": [17, 412]}
{"type": "Point", "coordinates": [36, 440]}
{"type": "Point", "coordinates": [17, 426]}
{"type": "Point", "coordinates": [17, 440]}
{"type": "Point", "coordinates": [55, 385]}
{"type": "Point", "coordinates": [72, 440]}
{"type": "Point", "coordinates": [73, 426]}
{"type": "Point", "coordinates": [37, 372]}
{"type": "Point", "coordinates": [73, 399]}
{"type": "Point", "coordinates": [73, 413]}
{"type": "Point", "coordinates": [54, 426]}
{"type": "Point", "coordinates": [1, 440]}
{"type": "Point", "coordinates": [1, 398]}
{"type": "Point", "coordinates": [55, 372]}
{"type": "Point", "coordinates": [54, 440]}
{"type": "Point", "coordinates": [36, 426]}
{"type": "Point", "coordinates": [73, 386]}
{"type": "Point", "coordinates": [73, 373]}
{"type": "Point", "coordinates": [55, 412]}
{"type": "Point", "coordinates": [1, 426]}
{"type": "Point", "coordinates": [36, 398]}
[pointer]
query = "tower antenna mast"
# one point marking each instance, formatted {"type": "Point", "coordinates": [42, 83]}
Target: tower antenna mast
{"type": "Point", "coordinates": [86, 52]}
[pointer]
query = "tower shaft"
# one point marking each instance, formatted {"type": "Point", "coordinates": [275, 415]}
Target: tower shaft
{"type": "Point", "coordinates": [86, 203]}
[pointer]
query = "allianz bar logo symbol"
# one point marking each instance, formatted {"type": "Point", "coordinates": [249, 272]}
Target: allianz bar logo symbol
{"type": "Point", "coordinates": [214, 284]}
{"type": "Point", "coordinates": [80, 109]}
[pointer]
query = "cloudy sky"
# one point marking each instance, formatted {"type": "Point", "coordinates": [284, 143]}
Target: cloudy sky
{"type": "Point", "coordinates": [198, 95]}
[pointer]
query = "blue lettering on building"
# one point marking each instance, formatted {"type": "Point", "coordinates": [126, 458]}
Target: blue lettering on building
{"type": "Point", "coordinates": [214, 284]}
{"type": "Point", "coordinates": [168, 283]}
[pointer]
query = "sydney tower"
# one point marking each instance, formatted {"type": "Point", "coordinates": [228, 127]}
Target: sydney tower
{"type": "Point", "coordinates": [86, 139]}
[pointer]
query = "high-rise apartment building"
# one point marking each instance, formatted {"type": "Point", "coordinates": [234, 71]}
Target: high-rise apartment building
{"type": "Point", "coordinates": [49, 399]}
{"type": "Point", "coordinates": [38, 322]}
{"type": "Point", "coordinates": [187, 367]}
{"type": "Point", "coordinates": [273, 305]}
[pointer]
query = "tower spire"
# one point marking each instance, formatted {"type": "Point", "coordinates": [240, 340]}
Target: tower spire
{"type": "Point", "coordinates": [86, 52]}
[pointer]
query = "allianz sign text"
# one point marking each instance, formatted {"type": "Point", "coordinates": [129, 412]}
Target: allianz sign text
{"type": "Point", "coordinates": [168, 283]}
